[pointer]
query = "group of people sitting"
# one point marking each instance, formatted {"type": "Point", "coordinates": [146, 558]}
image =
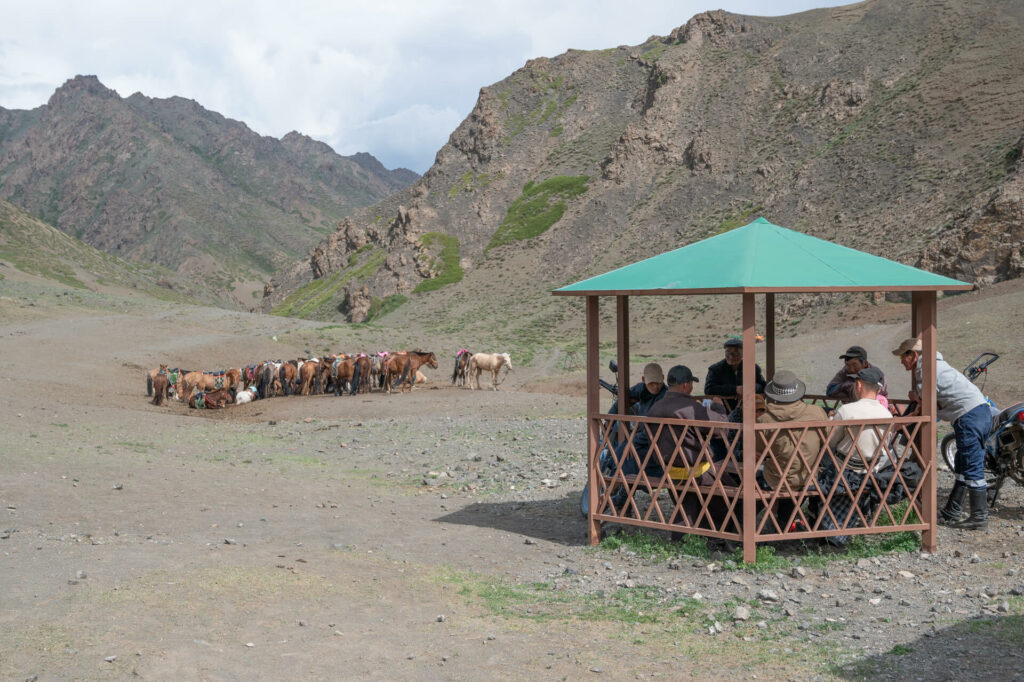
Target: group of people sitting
{"type": "Point", "coordinates": [858, 451]}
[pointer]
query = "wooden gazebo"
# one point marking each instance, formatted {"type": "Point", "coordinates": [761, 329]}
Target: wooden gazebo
{"type": "Point", "coordinates": [760, 259]}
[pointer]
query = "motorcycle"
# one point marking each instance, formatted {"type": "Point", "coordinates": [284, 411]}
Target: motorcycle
{"type": "Point", "coordinates": [1004, 447]}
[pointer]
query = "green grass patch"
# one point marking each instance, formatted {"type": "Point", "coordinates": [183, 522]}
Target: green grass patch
{"type": "Point", "coordinates": [447, 261]}
{"type": "Point", "coordinates": [379, 307]}
{"type": "Point", "coordinates": [308, 298]}
{"type": "Point", "coordinates": [738, 218]}
{"type": "Point", "coordinates": [538, 208]}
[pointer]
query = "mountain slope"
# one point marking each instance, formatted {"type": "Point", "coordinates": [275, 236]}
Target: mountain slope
{"type": "Point", "coordinates": [167, 181]}
{"type": "Point", "coordinates": [876, 125]}
{"type": "Point", "coordinates": [32, 250]}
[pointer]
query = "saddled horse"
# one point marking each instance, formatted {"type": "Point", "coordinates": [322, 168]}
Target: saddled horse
{"type": "Point", "coordinates": [309, 377]}
{"type": "Point", "coordinates": [288, 374]}
{"type": "Point", "coordinates": [362, 371]}
{"type": "Point", "coordinates": [402, 368]}
{"type": "Point", "coordinates": [488, 361]}
{"type": "Point", "coordinates": [210, 400]}
{"type": "Point", "coordinates": [209, 381]}
{"type": "Point", "coordinates": [345, 372]}
{"type": "Point", "coordinates": [173, 375]}
{"type": "Point", "coordinates": [461, 371]}
{"type": "Point", "coordinates": [161, 386]}
{"type": "Point", "coordinates": [377, 368]}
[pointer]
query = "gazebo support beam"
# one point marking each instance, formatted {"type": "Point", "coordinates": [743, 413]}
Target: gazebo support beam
{"type": "Point", "coordinates": [924, 313]}
{"type": "Point", "coordinates": [769, 336]}
{"type": "Point", "coordinates": [622, 338]}
{"type": "Point", "coordinates": [749, 446]}
{"type": "Point", "coordinates": [593, 409]}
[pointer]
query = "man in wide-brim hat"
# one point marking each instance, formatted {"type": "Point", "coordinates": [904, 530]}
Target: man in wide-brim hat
{"type": "Point", "coordinates": [784, 403]}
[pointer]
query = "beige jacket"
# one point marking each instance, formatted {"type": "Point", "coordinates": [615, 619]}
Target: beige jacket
{"type": "Point", "coordinates": [785, 442]}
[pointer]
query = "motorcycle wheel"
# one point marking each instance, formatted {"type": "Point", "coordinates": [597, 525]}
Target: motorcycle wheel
{"type": "Point", "coordinates": [948, 449]}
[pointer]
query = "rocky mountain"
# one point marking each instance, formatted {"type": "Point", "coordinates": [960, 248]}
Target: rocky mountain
{"type": "Point", "coordinates": [167, 181]}
{"type": "Point", "coordinates": [891, 126]}
{"type": "Point", "coordinates": [31, 250]}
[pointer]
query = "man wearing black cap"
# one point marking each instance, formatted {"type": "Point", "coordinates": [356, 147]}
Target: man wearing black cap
{"type": "Point", "coordinates": [725, 378]}
{"type": "Point", "coordinates": [841, 385]}
{"type": "Point", "coordinates": [677, 404]}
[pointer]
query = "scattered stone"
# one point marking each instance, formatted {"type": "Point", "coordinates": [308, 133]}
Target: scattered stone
{"type": "Point", "coordinates": [230, 541]}
{"type": "Point", "coordinates": [907, 574]}
{"type": "Point", "coordinates": [741, 613]}
{"type": "Point", "coordinates": [81, 575]}
{"type": "Point", "coordinates": [1004, 607]}
{"type": "Point", "coordinates": [767, 595]}
{"type": "Point", "coordinates": [529, 541]}
{"type": "Point", "coordinates": [975, 559]}
{"type": "Point", "coordinates": [250, 644]}
{"type": "Point", "coordinates": [119, 486]}
{"type": "Point", "coordinates": [490, 638]}
{"type": "Point", "coordinates": [441, 618]}
{"type": "Point", "coordinates": [110, 659]}
{"type": "Point", "coordinates": [303, 623]}
{"type": "Point", "coordinates": [798, 572]}
{"type": "Point", "coordinates": [863, 563]}
{"type": "Point", "coordinates": [875, 601]}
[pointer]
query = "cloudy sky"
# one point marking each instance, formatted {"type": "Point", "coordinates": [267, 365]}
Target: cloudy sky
{"type": "Point", "coordinates": [390, 77]}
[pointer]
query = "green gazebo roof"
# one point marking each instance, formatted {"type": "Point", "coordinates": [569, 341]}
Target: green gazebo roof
{"type": "Point", "coordinates": [762, 258]}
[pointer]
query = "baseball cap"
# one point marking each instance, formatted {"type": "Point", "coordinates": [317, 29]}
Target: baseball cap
{"type": "Point", "coordinates": [653, 372]}
{"type": "Point", "coordinates": [869, 375]}
{"type": "Point", "coordinates": [680, 374]}
{"type": "Point", "coordinates": [855, 352]}
{"type": "Point", "coordinates": [733, 343]}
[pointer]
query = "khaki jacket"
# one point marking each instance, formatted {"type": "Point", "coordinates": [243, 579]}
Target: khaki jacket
{"type": "Point", "coordinates": [785, 442]}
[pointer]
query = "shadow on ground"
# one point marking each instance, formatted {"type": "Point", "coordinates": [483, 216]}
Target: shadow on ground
{"type": "Point", "coordinates": [555, 520]}
{"type": "Point", "coordinates": [983, 648]}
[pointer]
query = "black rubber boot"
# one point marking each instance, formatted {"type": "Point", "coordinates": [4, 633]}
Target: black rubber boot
{"type": "Point", "coordinates": [954, 509]}
{"type": "Point", "coordinates": [978, 520]}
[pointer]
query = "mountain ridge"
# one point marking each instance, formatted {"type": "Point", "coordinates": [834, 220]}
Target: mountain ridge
{"type": "Point", "coordinates": [845, 123]}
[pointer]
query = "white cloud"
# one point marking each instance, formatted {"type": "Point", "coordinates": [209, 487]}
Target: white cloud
{"type": "Point", "coordinates": [391, 78]}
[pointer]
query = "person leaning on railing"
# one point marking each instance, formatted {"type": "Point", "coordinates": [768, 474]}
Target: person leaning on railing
{"type": "Point", "coordinates": [960, 402]}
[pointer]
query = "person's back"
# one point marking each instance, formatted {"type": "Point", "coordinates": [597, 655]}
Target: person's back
{"type": "Point", "coordinates": [868, 437]}
{"type": "Point", "coordinates": [784, 447]}
{"type": "Point", "coordinates": [678, 405]}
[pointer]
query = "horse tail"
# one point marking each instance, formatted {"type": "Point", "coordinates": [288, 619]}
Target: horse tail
{"type": "Point", "coordinates": [405, 372]}
{"type": "Point", "coordinates": [355, 379]}
{"type": "Point", "coordinates": [149, 384]}
{"type": "Point", "coordinates": [455, 372]}
{"type": "Point", "coordinates": [283, 376]}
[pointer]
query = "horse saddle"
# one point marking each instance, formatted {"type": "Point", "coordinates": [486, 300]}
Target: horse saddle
{"type": "Point", "coordinates": [200, 400]}
{"type": "Point", "coordinates": [218, 381]}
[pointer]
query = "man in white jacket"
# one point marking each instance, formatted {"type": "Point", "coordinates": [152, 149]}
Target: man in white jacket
{"type": "Point", "coordinates": [960, 402]}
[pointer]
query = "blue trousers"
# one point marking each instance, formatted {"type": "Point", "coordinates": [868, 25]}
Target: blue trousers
{"type": "Point", "coordinates": [970, 431]}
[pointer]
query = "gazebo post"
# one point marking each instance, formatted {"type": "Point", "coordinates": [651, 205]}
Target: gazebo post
{"type": "Point", "coordinates": [593, 409]}
{"type": "Point", "coordinates": [749, 443]}
{"type": "Point", "coordinates": [924, 310]}
{"type": "Point", "coordinates": [622, 337]}
{"type": "Point", "coordinates": [769, 336]}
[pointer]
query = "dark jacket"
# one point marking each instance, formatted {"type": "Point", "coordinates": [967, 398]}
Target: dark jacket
{"type": "Point", "coordinates": [676, 405]}
{"type": "Point", "coordinates": [841, 386]}
{"type": "Point", "coordinates": [640, 402]}
{"type": "Point", "coordinates": [722, 380]}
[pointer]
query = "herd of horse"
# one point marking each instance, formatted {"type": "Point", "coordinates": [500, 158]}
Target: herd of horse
{"type": "Point", "coordinates": [339, 374]}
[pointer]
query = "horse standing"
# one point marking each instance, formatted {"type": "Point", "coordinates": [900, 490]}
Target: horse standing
{"type": "Point", "coordinates": [161, 386]}
{"type": "Point", "coordinates": [344, 371]}
{"type": "Point", "coordinates": [209, 381]}
{"type": "Point", "coordinates": [404, 367]}
{"type": "Point", "coordinates": [309, 377]}
{"type": "Point", "coordinates": [289, 376]}
{"type": "Point", "coordinates": [461, 371]}
{"type": "Point", "coordinates": [489, 361]}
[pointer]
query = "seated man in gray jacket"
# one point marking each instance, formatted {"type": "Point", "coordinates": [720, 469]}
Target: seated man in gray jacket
{"type": "Point", "coordinates": [961, 403]}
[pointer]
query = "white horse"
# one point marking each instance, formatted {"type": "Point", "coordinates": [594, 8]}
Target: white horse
{"type": "Point", "coordinates": [492, 361]}
{"type": "Point", "coordinates": [246, 395]}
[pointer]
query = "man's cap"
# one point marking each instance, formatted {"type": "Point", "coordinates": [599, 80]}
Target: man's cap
{"type": "Point", "coordinates": [869, 375]}
{"type": "Point", "coordinates": [733, 343]}
{"type": "Point", "coordinates": [908, 345]}
{"type": "Point", "coordinates": [653, 372]}
{"type": "Point", "coordinates": [855, 352]}
{"type": "Point", "coordinates": [680, 374]}
{"type": "Point", "coordinates": [785, 387]}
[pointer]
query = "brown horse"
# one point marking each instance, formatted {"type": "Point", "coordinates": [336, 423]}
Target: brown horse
{"type": "Point", "coordinates": [403, 366]}
{"type": "Point", "coordinates": [363, 368]}
{"type": "Point", "coordinates": [208, 381]}
{"type": "Point", "coordinates": [461, 371]}
{"type": "Point", "coordinates": [345, 370]}
{"type": "Point", "coordinates": [161, 386]}
{"type": "Point", "coordinates": [173, 376]}
{"type": "Point", "coordinates": [210, 400]}
{"type": "Point", "coordinates": [289, 376]}
{"type": "Point", "coordinates": [309, 377]}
